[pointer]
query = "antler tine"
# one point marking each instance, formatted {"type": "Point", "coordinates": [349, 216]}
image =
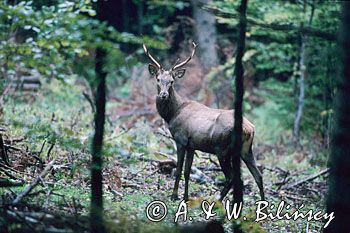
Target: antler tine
{"type": "Point", "coordinates": [150, 56]}
{"type": "Point", "coordinates": [187, 60]}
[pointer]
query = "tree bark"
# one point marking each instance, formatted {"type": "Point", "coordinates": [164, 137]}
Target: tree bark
{"type": "Point", "coordinates": [338, 200]}
{"type": "Point", "coordinates": [140, 18]}
{"type": "Point", "coordinates": [96, 212]}
{"type": "Point", "coordinates": [96, 163]}
{"type": "Point", "coordinates": [238, 118]}
{"type": "Point", "coordinates": [125, 15]}
{"type": "Point", "coordinates": [301, 97]}
{"type": "Point", "coordinates": [205, 34]}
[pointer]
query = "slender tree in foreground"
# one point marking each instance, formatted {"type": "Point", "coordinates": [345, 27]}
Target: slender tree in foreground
{"type": "Point", "coordinates": [238, 118]}
{"type": "Point", "coordinates": [339, 187]}
{"type": "Point", "coordinates": [301, 81]}
{"type": "Point", "coordinates": [96, 213]}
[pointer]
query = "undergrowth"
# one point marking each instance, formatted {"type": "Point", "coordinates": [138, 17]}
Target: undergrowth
{"type": "Point", "coordinates": [59, 114]}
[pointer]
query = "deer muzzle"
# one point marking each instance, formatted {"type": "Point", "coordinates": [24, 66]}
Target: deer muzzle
{"type": "Point", "coordinates": [163, 95]}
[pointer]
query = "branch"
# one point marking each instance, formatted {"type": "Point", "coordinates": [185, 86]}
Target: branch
{"type": "Point", "coordinates": [50, 149]}
{"type": "Point", "coordinates": [3, 152]}
{"type": "Point", "coordinates": [89, 99]}
{"type": "Point", "coordinates": [9, 183]}
{"type": "Point", "coordinates": [306, 30]}
{"type": "Point", "coordinates": [307, 179]}
{"type": "Point", "coordinates": [34, 183]}
{"type": "Point", "coordinates": [196, 173]}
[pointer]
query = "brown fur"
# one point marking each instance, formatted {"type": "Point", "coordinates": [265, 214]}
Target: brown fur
{"type": "Point", "coordinates": [195, 126]}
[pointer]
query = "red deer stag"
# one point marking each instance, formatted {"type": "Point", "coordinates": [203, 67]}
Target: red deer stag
{"type": "Point", "coordinates": [195, 126]}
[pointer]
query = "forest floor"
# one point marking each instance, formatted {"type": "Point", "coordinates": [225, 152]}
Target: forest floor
{"type": "Point", "coordinates": [56, 123]}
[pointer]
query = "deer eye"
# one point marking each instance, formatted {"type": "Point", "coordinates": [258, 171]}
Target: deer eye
{"type": "Point", "coordinates": [171, 82]}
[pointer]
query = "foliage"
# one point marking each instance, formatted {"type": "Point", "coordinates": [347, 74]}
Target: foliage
{"type": "Point", "coordinates": [277, 53]}
{"type": "Point", "coordinates": [54, 38]}
{"type": "Point", "coordinates": [44, 121]}
{"type": "Point", "coordinates": [58, 38]}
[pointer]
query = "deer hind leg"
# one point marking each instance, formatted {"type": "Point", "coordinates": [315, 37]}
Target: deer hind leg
{"type": "Point", "coordinates": [249, 160]}
{"type": "Point", "coordinates": [180, 161]}
{"type": "Point", "coordinates": [225, 166]}
{"type": "Point", "coordinates": [188, 165]}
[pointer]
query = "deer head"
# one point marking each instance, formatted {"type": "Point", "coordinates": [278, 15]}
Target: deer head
{"type": "Point", "coordinates": [165, 78]}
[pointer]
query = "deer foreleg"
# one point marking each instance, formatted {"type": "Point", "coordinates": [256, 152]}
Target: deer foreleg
{"type": "Point", "coordinates": [188, 165]}
{"type": "Point", "coordinates": [180, 161]}
{"type": "Point", "coordinates": [226, 169]}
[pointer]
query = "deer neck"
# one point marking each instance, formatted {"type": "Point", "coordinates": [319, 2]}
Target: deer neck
{"type": "Point", "coordinates": [168, 108]}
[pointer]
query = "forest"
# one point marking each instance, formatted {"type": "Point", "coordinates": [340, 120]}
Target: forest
{"type": "Point", "coordinates": [116, 116]}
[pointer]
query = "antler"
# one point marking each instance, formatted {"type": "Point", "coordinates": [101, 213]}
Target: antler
{"type": "Point", "coordinates": [187, 60]}
{"type": "Point", "coordinates": [152, 58]}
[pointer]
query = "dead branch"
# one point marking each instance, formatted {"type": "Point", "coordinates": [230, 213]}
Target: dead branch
{"type": "Point", "coordinates": [11, 169]}
{"type": "Point", "coordinates": [130, 185]}
{"type": "Point", "coordinates": [3, 152]}
{"type": "Point", "coordinates": [34, 182]}
{"type": "Point", "coordinates": [42, 148]}
{"type": "Point", "coordinates": [12, 147]}
{"type": "Point", "coordinates": [197, 174]}
{"type": "Point", "coordinates": [114, 192]}
{"type": "Point", "coordinates": [136, 112]}
{"type": "Point", "coordinates": [273, 169]}
{"type": "Point", "coordinates": [204, 168]}
{"type": "Point", "coordinates": [89, 99]}
{"type": "Point", "coordinates": [13, 140]}
{"type": "Point", "coordinates": [282, 182]}
{"type": "Point", "coordinates": [294, 197]}
{"type": "Point", "coordinates": [39, 160]}
{"type": "Point", "coordinates": [45, 222]}
{"type": "Point", "coordinates": [307, 179]}
{"type": "Point", "coordinates": [9, 174]}
{"type": "Point", "coordinates": [214, 162]}
{"type": "Point", "coordinates": [8, 183]}
{"type": "Point", "coordinates": [49, 151]}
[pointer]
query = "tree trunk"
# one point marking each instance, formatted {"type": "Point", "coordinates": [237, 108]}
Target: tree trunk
{"type": "Point", "coordinates": [205, 34]}
{"type": "Point", "coordinates": [301, 97]}
{"type": "Point", "coordinates": [96, 163]}
{"type": "Point", "coordinates": [125, 15]}
{"type": "Point", "coordinates": [338, 200]}
{"type": "Point", "coordinates": [140, 18]}
{"type": "Point", "coordinates": [96, 213]}
{"type": "Point", "coordinates": [238, 118]}
{"type": "Point", "coordinates": [301, 82]}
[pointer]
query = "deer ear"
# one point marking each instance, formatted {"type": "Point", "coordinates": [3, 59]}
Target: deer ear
{"type": "Point", "coordinates": [179, 73]}
{"type": "Point", "coordinates": [153, 70]}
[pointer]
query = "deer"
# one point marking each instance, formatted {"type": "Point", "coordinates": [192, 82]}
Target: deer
{"type": "Point", "coordinates": [195, 126]}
